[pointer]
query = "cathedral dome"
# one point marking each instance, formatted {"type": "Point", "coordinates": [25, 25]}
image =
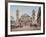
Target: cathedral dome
{"type": "Point", "coordinates": [25, 15]}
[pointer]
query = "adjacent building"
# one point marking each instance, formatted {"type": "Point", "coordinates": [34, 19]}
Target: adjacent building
{"type": "Point", "coordinates": [39, 17]}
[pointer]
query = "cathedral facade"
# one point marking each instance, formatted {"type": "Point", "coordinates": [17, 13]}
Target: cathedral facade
{"type": "Point", "coordinates": [24, 20]}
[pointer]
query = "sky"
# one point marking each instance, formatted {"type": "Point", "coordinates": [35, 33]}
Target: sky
{"type": "Point", "coordinates": [22, 10]}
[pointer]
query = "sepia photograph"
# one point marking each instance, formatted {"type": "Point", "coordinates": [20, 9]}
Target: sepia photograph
{"type": "Point", "coordinates": [25, 18]}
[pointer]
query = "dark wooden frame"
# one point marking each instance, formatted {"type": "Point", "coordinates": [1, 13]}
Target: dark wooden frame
{"type": "Point", "coordinates": [6, 17]}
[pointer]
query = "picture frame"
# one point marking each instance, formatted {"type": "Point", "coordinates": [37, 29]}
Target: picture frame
{"type": "Point", "coordinates": [24, 4]}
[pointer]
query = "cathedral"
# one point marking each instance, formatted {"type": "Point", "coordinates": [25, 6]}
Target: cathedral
{"type": "Point", "coordinates": [25, 20]}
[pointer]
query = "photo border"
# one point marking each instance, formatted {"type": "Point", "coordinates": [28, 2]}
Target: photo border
{"type": "Point", "coordinates": [6, 17]}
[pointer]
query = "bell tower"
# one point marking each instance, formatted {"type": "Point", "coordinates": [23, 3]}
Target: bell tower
{"type": "Point", "coordinates": [17, 14]}
{"type": "Point", "coordinates": [17, 17]}
{"type": "Point", "coordinates": [33, 16]}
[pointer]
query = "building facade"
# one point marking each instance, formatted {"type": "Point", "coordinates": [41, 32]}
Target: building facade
{"type": "Point", "coordinates": [24, 20]}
